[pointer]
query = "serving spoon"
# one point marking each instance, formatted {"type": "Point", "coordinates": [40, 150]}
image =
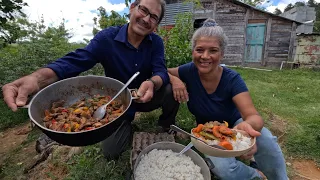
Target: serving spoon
{"type": "Point", "coordinates": [101, 111]}
{"type": "Point", "coordinates": [176, 128]}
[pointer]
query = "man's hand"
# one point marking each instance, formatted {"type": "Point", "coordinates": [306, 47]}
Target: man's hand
{"type": "Point", "coordinates": [248, 128]}
{"type": "Point", "coordinates": [145, 92]}
{"type": "Point", "coordinates": [179, 90]}
{"type": "Point", "coordinates": [16, 93]}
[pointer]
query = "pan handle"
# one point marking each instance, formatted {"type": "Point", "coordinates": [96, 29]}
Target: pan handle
{"type": "Point", "coordinates": [134, 94]}
{"type": "Point", "coordinates": [30, 97]}
{"type": "Point", "coordinates": [24, 107]}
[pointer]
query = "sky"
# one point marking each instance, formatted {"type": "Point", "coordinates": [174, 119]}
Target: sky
{"type": "Point", "coordinates": [281, 4]}
{"type": "Point", "coordinates": [79, 14]}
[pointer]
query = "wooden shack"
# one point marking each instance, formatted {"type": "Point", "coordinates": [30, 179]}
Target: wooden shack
{"type": "Point", "coordinates": [255, 37]}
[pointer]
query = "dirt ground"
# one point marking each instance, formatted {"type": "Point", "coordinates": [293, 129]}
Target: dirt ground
{"type": "Point", "coordinates": [17, 151]}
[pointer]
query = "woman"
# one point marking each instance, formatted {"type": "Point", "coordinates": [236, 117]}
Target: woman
{"type": "Point", "coordinates": [218, 93]}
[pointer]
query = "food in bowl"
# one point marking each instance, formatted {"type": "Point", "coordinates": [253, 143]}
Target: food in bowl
{"type": "Point", "coordinates": [166, 164]}
{"type": "Point", "coordinates": [79, 116]}
{"type": "Point", "coordinates": [217, 133]}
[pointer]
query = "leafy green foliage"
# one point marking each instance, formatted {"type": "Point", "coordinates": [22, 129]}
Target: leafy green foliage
{"type": "Point", "coordinates": [312, 3]}
{"type": "Point", "coordinates": [277, 11]}
{"type": "Point", "coordinates": [12, 31]}
{"type": "Point", "coordinates": [297, 4]}
{"type": "Point", "coordinates": [43, 46]}
{"type": "Point", "coordinates": [106, 20]}
{"type": "Point", "coordinates": [10, 8]}
{"type": "Point", "coordinates": [255, 3]}
{"type": "Point", "coordinates": [177, 40]}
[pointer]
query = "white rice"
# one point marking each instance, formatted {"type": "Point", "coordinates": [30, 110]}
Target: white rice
{"type": "Point", "coordinates": [166, 165]}
{"type": "Point", "coordinates": [241, 143]}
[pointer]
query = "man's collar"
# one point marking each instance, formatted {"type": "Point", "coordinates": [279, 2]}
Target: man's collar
{"type": "Point", "coordinates": [122, 35]}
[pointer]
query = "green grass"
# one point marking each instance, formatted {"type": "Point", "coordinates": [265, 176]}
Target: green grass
{"type": "Point", "coordinates": [91, 165]}
{"type": "Point", "coordinates": [9, 118]}
{"type": "Point", "coordinates": [292, 95]}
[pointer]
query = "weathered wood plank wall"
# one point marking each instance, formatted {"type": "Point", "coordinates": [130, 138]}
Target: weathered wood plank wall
{"type": "Point", "coordinates": [233, 18]}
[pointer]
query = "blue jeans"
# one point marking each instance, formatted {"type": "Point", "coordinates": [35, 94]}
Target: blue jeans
{"type": "Point", "coordinates": [268, 157]}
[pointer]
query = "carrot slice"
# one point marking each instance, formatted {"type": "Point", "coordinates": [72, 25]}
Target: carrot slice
{"type": "Point", "coordinates": [226, 145]}
{"type": "Point", "coordinates": [198, 128]}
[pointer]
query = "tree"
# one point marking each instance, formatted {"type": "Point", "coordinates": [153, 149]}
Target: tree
{"type": "Point", "coordinates": [288, 7]}
{"type": "Point", "coordinates": [311, 3]}
{"type": "Point", "coordinates": [13, 30]}
{"type": "Point", "coordinates": [298, 4]}
{"type": "Point", "coordinates": [277, 11]}
{"type": "Point", "coordinates": [106, 20]}
{"type": "Point", "coordinates": [254, 3]}
{"type": "Point", "coordinates": [9, 8]}
{"type": "Point", "coordinates": [316, 26]}
{"type": "Point", "coordinates": [55, 34]}
{"type": "Point", "coordinates": [291, 6]}
{"type": "Point", "coordinates": [127, 2]}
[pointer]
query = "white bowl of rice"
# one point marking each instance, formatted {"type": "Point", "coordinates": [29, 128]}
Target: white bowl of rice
{"type": "Point", "coordinates": [242, 144]}
{"type": "Point", "coordinates": [160, 161]}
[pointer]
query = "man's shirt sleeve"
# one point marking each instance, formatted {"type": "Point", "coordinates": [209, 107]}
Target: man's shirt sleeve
{"type": "Point", "coordinates": [80, 60]}
{"type": "Point", "coordinates": [158, 62]}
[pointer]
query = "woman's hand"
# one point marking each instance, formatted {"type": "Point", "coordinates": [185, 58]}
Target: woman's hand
{"type": "Point", "coordinates": [244, 126]}
{"type": "Point", "coordinates": [179, 90]}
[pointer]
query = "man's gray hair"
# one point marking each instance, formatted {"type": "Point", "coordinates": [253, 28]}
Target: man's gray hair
{"type": "Point", "coordinates": [210, 29]}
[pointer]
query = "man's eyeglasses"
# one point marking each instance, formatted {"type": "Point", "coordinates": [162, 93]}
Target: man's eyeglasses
{"type": "Point", "coordinates": [145, 12]}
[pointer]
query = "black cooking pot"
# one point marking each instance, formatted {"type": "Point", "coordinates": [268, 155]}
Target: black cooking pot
{"type": "Point", "coordinates": [71, 90]}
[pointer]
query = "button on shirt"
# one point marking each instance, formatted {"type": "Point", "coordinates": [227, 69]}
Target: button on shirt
{"type": "Point", "coordinates": [119, 58]}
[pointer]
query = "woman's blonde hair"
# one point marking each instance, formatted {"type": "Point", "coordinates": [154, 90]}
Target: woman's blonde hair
{"type": "Point", "coordinates": [210, 29]}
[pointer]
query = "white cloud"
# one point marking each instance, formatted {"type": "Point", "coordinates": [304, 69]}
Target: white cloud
{"type": "Point", "coordinates": [280, 6]}
{"type": "Point", "coordinates": [283, 4]}
{"type": "Point", "coordinates": [78, 14]}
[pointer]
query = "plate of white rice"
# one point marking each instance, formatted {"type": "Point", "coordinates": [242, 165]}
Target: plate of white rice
{"type": "Point", "coordinates": [160, 161]}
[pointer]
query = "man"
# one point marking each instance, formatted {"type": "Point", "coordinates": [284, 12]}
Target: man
{"type": "Point", "coordinates": [122, 51]}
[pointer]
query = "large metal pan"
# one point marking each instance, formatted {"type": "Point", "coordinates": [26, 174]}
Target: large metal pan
{"type": "Point", "coordinates": [71, 90]}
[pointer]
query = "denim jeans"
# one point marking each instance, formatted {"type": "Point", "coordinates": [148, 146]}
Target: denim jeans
{"type": "Point", "coordinates": [268, 157]}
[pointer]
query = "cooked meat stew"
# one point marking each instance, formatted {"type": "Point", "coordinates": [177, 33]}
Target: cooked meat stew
{"type": "Point", "coordinates": [78, 117]}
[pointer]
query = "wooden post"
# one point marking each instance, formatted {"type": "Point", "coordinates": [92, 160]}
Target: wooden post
{"type": "Point", "coordinates": [292, 39]}
{"type": "Point", "coordinates": [245, 35]}
{"type": "Point", "coordinates": [214, 10]}
{"type": "Point", "coordinates": [266, 43]}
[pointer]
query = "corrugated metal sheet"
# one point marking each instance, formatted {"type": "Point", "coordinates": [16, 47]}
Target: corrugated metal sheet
{"type": "Point", "coordinates": [302, 14]}
{"type": "Point", "coordinates": [308, 49]}
{"type": "Point", "coordinates": [172, 10]}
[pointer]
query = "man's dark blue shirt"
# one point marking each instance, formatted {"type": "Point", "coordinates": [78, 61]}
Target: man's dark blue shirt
{"type": "Point", "coordinates": [119, 58]}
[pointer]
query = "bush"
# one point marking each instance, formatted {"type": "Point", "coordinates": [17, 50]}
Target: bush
{"type": "Point", "coordinates": [177, 40]}
{"type": "Point", "coordinates": [22, 59]}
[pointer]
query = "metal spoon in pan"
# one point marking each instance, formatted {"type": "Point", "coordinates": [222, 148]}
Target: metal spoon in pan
{"type": "Point", "coordinates": [176, 128]}
{"type": "Point", "coordinates": [101, 111]}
